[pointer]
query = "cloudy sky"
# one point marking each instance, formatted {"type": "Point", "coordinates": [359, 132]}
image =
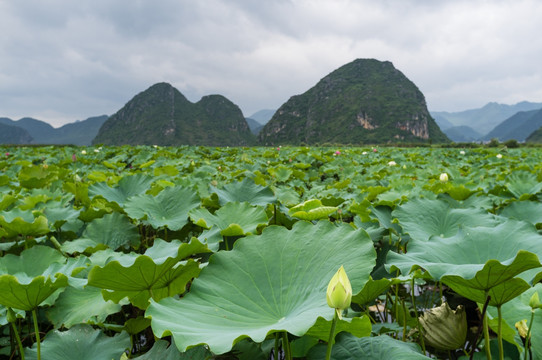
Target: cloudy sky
{"type": "Point", "coordinates": [65, 60]}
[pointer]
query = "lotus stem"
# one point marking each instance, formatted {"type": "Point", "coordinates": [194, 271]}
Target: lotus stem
{"type": "Point", "coordinates": [528, 337]}
{"type": "Point", "coordinates": [332, 335]}
{"type": "Point", "coordinates": [499, 334]}
{"type": "Point", "coordinates": [37, 332]}
{"type": "Point", "coordinates": [486, 330]}
{"type": "Point", "coordinates": [416, 314]}
{"type": "Point", "coordinates": [18, 338]}
{"type": "Point", "coordinates": [475, 342]}
{"type": "Point", "coordinates": [276, 354]}
{"type": "Point", "coordinates": [286, 346]}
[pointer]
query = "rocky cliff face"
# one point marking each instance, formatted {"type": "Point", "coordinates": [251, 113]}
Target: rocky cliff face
{"type": "Point", "coordinates": [365, 101]}
{"type": "Point", "coordinates": [161, 115]}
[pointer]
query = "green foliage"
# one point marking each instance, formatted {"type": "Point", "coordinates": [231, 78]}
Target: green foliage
{"type": "Point", "coordinates": [209, 245]}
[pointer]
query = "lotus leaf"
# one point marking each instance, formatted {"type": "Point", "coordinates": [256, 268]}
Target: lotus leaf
{"type": "Point", "coordinates": [36, 176]}
{"type": "Point", "coordinates": [521, 183]}
{"type": "Point", "coordinates": [112, 230]}
{"type": "Point", "coordinates": [273, 282]}
{"type": "Point", "coordinates": [167, 209]}
{"type": "Point", "coordinates": [358, 326]}
{"type": "Point", "coordinates": [348, 347]}
{"type": "Point", "coordinates": [164, 351]}
{"type": "Point", "coordinates": [476, 260]}
{"type": "Point", "coordinates": [17, 222]}
{"type": "Point", "coordinates": [34, 276]}
{"type": "Point", "coordinates": [423, 218]}
{"type": "Point", "coordinates": [524, 210]}
{"type": "Point", "coordinates": [245, 191]}
{"type": "Point", "coordinates": [233, 219]}
{"type": "Point", "coordinates": [311, 210]}
{"type": "Point", "coordinates": [81, 342]}
{"type": "Point", "coordinates": [158, 273]}
{"type": "Point", "coordinates": [76, 306]}
{"type": "Point", "coordinates": [518, 309]}
{"type": "Point", "coordinates": [127, 187]}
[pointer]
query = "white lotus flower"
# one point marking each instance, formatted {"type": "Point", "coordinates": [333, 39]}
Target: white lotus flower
{"type": "Point", "coordinates": [392, 163]}
{"type": "Point", "coordinates": [499, 156]}
{"type": "Point", "coordinates": [443, 177]}
{"type": "Point", "coordinates": [462, 152]}
{"type": "Point", "coordinates": [84, 152]}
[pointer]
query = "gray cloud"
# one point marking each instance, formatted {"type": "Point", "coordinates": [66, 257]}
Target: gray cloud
{"type": "Point", "coordinates": [65, 60]}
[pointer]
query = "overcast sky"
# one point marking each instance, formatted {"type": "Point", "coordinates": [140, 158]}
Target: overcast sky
{"type": "Point", "coordinates": [66, 60]}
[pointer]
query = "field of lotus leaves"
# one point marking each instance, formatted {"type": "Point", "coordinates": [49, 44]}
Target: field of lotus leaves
{"type": "Point", "coordinates": [226, 253]}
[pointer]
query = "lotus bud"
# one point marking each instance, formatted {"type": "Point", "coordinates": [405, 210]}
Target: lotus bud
{"type": "Point", "coordinates": [534, 302]}
{"type": "Point", "coordinates": [392, 163]}
{"type": "Point", "coordinates": [10, 315]}
{"type": "Point", "coordinates": [522, 327]}
{"type": "Point", "coordinates": [339, 291]}
{"type": "Point", "coordinates": [498, 156]}
{"type": "Point", "coordinates": [443, 177]}
{"type": "Point", "coordinates": [444, 328]}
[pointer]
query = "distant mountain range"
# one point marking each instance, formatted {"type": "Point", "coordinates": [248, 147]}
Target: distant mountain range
{"type": "Point", "coordinates": [484, 123]}
{"type": "Point", "coordinates": [363, 102]}
{"type": "Point", "coordinates": [33, 131]}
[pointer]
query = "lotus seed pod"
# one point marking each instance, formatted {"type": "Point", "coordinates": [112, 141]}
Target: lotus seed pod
{"type": "Point", "coordinates": [339, 290]}
{"type": "Point", "coordinates": [444, 328]}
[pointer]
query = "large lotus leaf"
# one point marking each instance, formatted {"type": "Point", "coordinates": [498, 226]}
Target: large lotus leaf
{"type": "Point", "coordinates": [164, 351]}
{"type": "Point", "coordinates": [523, 183]}
{"type": "Point", "coordinates": [423, 218]}
{"type": "Point", "coordinates": [158, 273]}
{"type": "Point", "coordinates": [476, 259]}
{"type": "Point", "coordinates": [372, 289]}
{"type": "Point", "coordinates": [358, 326]}
{"type": "Point", "coordinates": [127, 187]}
{"type": "Point", "coordinates": [58, 216]}
{"type": "Point", "coordinates": [75, 306]}
{"type": "Point", "coordinates": [35, 275]}
{"type": "Point", "coordinates": [311, 210]}
{"type": "Point", "coordinates": [348, 347]}
{"type": "Point", "coordinates": [517, 310]}
{"type": "Point", "coordinates": [245, 191]}
{"type": "Point", "coordinates": [81, 342]}
{"type": "Point", "coordinates": [233, 219]}
{"type": "Point", "coordinates": [273, 282]}
{"type": "Point", "coordinates": [167, 209]}
{"type": "Point", "coordinates": [21, 222]}
{"type": "Point", "coordinates": [36, 176]}
{"type": "Point", "coordinates": [524, 210]}
{"type": "Point", "coordinates": [112, 230]}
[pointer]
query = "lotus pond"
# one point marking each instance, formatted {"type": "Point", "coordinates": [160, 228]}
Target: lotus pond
{"type": "Point", "coordinates": [227, 253]}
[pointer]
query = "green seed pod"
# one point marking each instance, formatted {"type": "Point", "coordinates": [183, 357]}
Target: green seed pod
{"type": "Point", "coordinates": [444, 328]}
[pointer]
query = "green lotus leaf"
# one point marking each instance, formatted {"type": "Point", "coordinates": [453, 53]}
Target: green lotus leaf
{"type": "Point", "coordinates": [18, 222]}
{"type": "Point", "coordinates": [358, 326]}
{"type": "Point", "coordinates": [58, 216]}
{"type": "Point", "coordinates": [31, 293]}
{"type": "Point", "coordinates": [167, 209]}
{"type": "Point", "coordinates": [524, 210]}
{"type": "Point", "coordinates": [36, 176]}
{"type": "Point", "coordinates": [75, 306]}
{"type": "Point", "coordinates": [245, 191]}
{"type": "Point", "coordinates": [158, 273]}
{"type": "Point", "coordinates": [348, 347]}
{"type": "Point", "coordinates": [164, 351]}
{"type": "Point", "coordinates": [518, 309]}
{"type": "Point", "coordinates": [311, 210]}
{"type": "Point", "coordinates": [233, 219]}
{"type": "Point", "coordinates": [273, 282]}
{"type": "Point", "coordinates": [521, 183]}
{"type": "Point", "coordinates": [35, 275]}
{"type": "Point", "coordinates": [127, 187]}
{"type": "Point", "coordinates": [281, 173]}
{"type": "Point", "coordinates": [81, 342]}
{"type": "Point", "coordinates": [372, 289]}
{"type": "Point", "coordinates": [476, 260]}
{"type": "Point", "coordinates": [112, 230]}
{"type": "Point", "coordinates": [423, 218]}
